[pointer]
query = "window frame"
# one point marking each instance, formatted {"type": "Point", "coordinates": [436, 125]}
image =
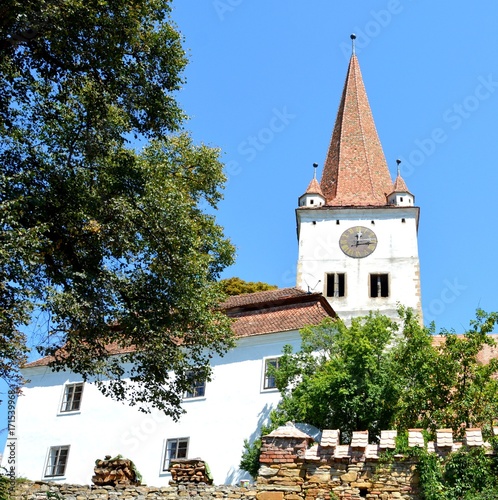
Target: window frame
{"type": "Point", "coordinates": [166, 453]}
{"type": "Point", "coordinates": [264, 385]}
{"type": "Point", "coordinates": [384, 283]}
{"type": "Point", "coordinates": [55, 465]}
{"type": "Point", "coordinates": [197, 384]}
{"type": "Point", "coordinates": [63, 407]}
{"type": "Point", "coordinates": [337, 281]}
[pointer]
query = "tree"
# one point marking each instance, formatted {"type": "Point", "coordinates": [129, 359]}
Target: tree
{"type": "Point", "coordinates": [339, 379]}
{"type": "Point", "coordinates": [446, 385]}
{"type": "Point", "coordinates": [110, 244]}
{"type": "Point", "coordinates": [376, 375]}
{"type": "Point", "coordinates": [237, 286]}
{"type": "Point", "coordinates": [369, 376]}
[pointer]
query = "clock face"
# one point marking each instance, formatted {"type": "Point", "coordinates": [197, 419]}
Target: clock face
{"type": "Point", "coordinates": [358, 242]}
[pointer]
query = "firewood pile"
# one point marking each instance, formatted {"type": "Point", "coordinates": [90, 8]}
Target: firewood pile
{"type": "Point", "coordinates": [113, 471]}
{"type": "Point", "coordinates": [190, 470]}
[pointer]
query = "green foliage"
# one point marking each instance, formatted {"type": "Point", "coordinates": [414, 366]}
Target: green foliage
{"type": "Point", "coordinates": [237, 286]}
{"type": "Point", "coordinates": [446, 386]}
{"type": "Point", "coordinates": [4, 487]}
{"type": "Point", "coordinates": [346, 386]}
{"type": "Point", "coordinates": [252, 450]}
{"type": "Point", "coordinates": [467, 474]}
{"type": "Point", "coordinates": [111, 245]}
{"type": "Point", "coordinates": [370, 377]}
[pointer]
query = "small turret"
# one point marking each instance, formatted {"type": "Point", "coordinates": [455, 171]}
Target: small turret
{"type": "Point", "coordinates": [400, 195]}
{"type": "Point", "coordinates": [313, 196]}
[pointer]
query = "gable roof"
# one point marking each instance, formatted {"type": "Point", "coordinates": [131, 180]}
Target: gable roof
{"type": "Point", "coordinates": [259, 313]}
{"type": "Point", "coordinates": [276, 311]}
{"type": "Point", "coordinates": [355, 171]}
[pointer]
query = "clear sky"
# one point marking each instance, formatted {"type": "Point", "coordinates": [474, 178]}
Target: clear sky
{"type": "Point", "coordinates": [264, 83]}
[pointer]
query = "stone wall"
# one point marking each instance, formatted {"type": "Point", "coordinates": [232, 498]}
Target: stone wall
{"type": "Point", "coordinates": [292, 468]}
{"type": "Point", "coordinates": [52, 491]}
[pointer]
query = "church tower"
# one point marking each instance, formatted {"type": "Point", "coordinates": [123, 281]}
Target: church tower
{"type": "Point", "coordinates": [357, 230]}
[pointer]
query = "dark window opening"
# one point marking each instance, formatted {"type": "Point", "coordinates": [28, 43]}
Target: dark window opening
{"type": "Point", "coordinates": [337, 222]}
{"type": "Point", "coordinates": [311, 202]}
{"type": "Point", "coordinates": [379, 285]}
{"type": "Point", "coordinates": [403, 220]}
{"type": "Point", "coordinates": [336, 285]}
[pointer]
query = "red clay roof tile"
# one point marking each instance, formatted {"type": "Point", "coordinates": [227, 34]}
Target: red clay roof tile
{"type": "Point", "coordinates": [355, 171]}
{"type": "Point", "coordinates": [260, 313]}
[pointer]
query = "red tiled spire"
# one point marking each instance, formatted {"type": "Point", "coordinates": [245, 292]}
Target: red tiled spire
{"type": "Point", "coordinates": [355, 171]}
{"type": "Point", "coordinates": [314, 188]}
{"type": "Point", "coordinates": [400, 185]}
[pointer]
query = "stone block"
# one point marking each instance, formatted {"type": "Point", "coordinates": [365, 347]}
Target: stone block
{"type": "Point", "coordinates": [349, 477]}
{"type": "Point", "coordinates": [270, 495]}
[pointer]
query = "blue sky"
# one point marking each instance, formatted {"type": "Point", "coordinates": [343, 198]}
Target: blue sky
{"type": "Point", "coordinates": [264, 83]}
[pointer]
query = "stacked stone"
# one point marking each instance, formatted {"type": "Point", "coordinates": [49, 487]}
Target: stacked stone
{"type": "Point", "coordinates": [113, 471]}
{"type": "Point", "coordinates": [184, 470]}
{"type": "Point", "coordinates": [27, 490]}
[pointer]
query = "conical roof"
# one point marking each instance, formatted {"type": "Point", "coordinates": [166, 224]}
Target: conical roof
{"type": "Point", "coordinates": [355, 171]}
{"type": "Point", "coordinates": [400, 185]}
{"type": "Point", "coordinates": [314, 188]}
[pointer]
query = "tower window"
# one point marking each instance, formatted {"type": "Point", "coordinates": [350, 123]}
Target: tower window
{"type": "Point", "coordinates": [335, 285]}
{"type": "Point", "coordinates": [337, 222]}
{"type": "Point", "coordinates": [311, 202]}
{"type": "Point", "coordinates": [400, 198]}
{"type": "Point", "coordinates": [403, 220]}
{"type": "Point", "coordinates": [379, 285]}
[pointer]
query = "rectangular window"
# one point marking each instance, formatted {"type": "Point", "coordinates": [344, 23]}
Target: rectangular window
{"type": "Point", "coordinates": [379, 285]}
{"type": "Point", "coordinates": [57, 461]}
{"type": "Point", "coordinates": [72, 397]}
{"type": "Point", "coordinates": [270, 382]}
{"type": "Point", "coordinates": [335, 285]}
{"type": "Point", "coordinates": [175, 448]}
{"type": "Point", "coordinates": [197, 389]}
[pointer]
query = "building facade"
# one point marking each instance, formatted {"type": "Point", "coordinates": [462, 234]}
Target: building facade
{"type": "Point", "coordinates": [357, 229]}
{"type": "Point", "coordinates": [357, 237]}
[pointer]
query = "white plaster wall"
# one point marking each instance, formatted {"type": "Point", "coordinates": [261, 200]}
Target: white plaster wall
{"type": "Point", "coordinates": [233, 409]}
{"type": "Point", "coordinates": [396, 254]}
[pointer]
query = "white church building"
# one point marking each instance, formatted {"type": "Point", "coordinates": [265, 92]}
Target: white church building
{"type": "Point", "coordinates": [357, 238]}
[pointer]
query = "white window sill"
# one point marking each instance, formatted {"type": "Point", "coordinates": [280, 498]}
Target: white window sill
{"type": "Point", "coordinates": [188, 400]}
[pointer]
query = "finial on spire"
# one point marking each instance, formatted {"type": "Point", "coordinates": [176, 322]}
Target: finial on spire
{"type": "Point", "coordinates": [397, 163]}
{"type": "Point", "coordinates": [353, 38]}
{"type": "Point", "coordinates": [315, 166]}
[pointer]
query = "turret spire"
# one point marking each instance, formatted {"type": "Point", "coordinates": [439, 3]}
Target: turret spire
{"type": "Point", "coordinates": [355, 171]}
